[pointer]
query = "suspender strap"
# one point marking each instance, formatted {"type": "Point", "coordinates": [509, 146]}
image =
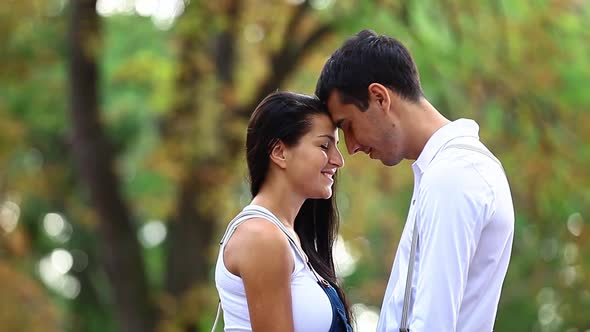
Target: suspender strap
{"type": "Point", "coordinates": [474, 149]}
{"type": "Point", "coordinates": [404, 326]}
{"type": "Point", "coordinates": [216, 316]}
{"type": "Point", "coordinates": [404, 323]}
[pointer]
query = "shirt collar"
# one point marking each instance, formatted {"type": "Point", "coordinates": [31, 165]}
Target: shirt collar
{"type": "Point", "coordinates": [457, 128]}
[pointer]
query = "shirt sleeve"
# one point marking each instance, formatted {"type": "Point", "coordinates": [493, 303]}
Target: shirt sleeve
{"type": "Point", "coordinates": [451, 209]}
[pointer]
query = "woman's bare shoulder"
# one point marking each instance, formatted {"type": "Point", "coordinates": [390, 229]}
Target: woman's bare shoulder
{"type": "Point", "coordinates": [258, 245]}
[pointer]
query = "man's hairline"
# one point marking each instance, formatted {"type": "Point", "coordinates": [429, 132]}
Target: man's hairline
{"type": "Point", "coordinates": [351, 100]}
{"type": "Point", "coordinates": [340, 93]}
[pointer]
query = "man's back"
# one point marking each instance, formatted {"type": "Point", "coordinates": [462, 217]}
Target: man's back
{"type": "Point", "coordinates": [490, 261]}
{"type": "Point", "coordinates": [465, 221]}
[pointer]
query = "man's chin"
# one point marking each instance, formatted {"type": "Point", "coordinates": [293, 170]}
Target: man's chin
{"type": "Point", "coordinates": [384, 160]}
{"type": "Point", "coordinates": [390, 162]}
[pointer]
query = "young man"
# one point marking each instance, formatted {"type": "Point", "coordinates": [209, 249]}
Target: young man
{"type": "Point", "coordinates": [461, 209]}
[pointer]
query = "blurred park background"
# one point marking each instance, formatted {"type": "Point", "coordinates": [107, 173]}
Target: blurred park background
{"type": "Point", "coordinates": [122, 126]}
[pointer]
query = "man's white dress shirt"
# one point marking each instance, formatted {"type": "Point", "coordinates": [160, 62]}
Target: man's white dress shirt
{"type": "Point", "coordinates": [465, 221]}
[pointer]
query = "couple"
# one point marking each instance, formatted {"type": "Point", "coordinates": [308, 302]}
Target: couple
{"type": "Point", "coordinates": [275, 269]}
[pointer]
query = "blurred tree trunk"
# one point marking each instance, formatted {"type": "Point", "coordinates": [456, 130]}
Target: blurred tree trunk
{"type": "Point", "coordinates": [120, 252]}
{"type": "Point", "coordinates": [192, 225]}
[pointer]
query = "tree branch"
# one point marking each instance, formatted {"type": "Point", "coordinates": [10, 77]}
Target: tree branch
{"type": "Point", "coordinates": [283, 63]}
{"type": "Point", "coordinates": [296, 18]}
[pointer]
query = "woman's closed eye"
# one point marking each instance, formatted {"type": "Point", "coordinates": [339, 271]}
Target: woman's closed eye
{"type": "Point", "coordinates": [325, 146]}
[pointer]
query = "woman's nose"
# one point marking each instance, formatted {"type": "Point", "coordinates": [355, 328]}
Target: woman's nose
{"type": "Point", "coordinates": [337, 158]}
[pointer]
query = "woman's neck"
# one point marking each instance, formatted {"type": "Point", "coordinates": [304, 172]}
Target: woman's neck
{"type": "Point", "coordinates": [284, 204]}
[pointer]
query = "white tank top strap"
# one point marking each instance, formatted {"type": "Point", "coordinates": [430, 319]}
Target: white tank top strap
{"type": "Point", "coordinates": [256, 211]}
{"type": "Point", "coordinates": [269, 216]}
{"type": "Point", "coordinates": [312, 310]}
{"type": "Point", "coordinates": [237, 221]}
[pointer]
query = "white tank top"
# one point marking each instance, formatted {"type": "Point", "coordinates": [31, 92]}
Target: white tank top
{"type": "Point", "coordinates": [312, 311]}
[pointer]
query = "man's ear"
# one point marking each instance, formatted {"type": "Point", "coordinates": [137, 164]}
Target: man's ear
{"type": "Point", "coordinates": [278, 154]}
{"type": "Point", "coordinates": [379, 95]}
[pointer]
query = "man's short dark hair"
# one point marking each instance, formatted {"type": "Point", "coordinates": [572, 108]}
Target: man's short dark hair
{"type": "Point", "coordinates": [368, 58]}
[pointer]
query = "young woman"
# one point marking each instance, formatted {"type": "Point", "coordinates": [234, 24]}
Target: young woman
{"type": "Point", "coordinates": [275, 270]}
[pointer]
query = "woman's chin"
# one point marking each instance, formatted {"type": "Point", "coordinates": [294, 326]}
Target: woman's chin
{"type": "Point", "coordinates": [327, 194]}
{"type": "Point", "coordinates": [323, 194]}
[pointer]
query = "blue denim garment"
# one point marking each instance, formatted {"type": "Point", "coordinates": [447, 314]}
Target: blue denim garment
{"type": "Point", "coordinates": [339, 321]}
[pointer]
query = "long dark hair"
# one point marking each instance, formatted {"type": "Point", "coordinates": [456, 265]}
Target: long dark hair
{"type": "Point", "coordinates": [286, 117]}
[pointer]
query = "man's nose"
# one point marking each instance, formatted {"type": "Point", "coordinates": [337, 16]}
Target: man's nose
{"type": "Point", "coordinates": [351, 144]}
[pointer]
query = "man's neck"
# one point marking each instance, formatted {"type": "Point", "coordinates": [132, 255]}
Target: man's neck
{"type": "Point", "coordinates": [422, 121]}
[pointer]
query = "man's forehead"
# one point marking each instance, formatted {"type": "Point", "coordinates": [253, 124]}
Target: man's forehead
{"type": "Point", "coordinates": [334, 98]}
{"type": "Point", "coordinates": [335, 105]}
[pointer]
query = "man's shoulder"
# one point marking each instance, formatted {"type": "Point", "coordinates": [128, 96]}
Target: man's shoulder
{"type": "Point", "coordinates": [449, 168]}
{"type": "Point", "coordinates": [456, 177]}
{"type": "Point", "coordinates": [471, 162]}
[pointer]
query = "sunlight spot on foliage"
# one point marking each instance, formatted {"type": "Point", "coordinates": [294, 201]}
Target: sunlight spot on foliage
{"type": "Point", "coordinates": [162, 12]}
{"type": "Point", "coordinates": [366, 317]}
{"type": "Point", "coordinates": [569, 275]}
{"type": "Point", "coordinates": [575, 223]}
{"type": "Point", "coordinates": [253, 33]}
{"type": "Point", "coordinates": [62, 260]}
{"type": "Point", "coordinates": [62, 283]}
{"type": "Point", "coordinates": [70, 287]}
{"type": "Point", "coordinates": [9, 213]}
{"type": "Point", "coordinates": [146, 7]}
{"type": "Point", "coordinates": [114, 7]}
{"type": "Point", "coordinates": [344, 259]}
{"type": "Point", "coordinates": [53, 224]}
{"type": "Point", "coordinates": [166, 13]}
{"type": "Point", "coordinates": [321, 4]}
{"type": "Point", "coordinates": [65, 235]}
{"type": "Point", "coordinates": [546, 295]}
{"type": "Point", "coordinates": [295, 2]}
{"type": "Point", "coordinates": [547, 314]}
{"type": "Point", "coordinates": [152, 233]}
{"type": "Point", "coordinates": [47, 271]}
{"type": "Point", "coordinates": [57, 227]}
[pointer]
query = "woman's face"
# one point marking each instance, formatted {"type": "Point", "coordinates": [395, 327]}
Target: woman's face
{"type": "Point", "coordinates": [312, 163]}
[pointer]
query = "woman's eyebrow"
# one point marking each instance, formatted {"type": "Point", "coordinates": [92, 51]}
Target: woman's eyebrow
{"type": "Point", "coordinates": [331, 137]}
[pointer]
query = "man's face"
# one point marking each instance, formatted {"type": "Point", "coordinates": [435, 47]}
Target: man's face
{"type": "Point", "coordinates": [373, 131]}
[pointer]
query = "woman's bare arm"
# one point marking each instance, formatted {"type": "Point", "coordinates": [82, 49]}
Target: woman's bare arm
{"type": "Point", "coordinates": [259, 253]}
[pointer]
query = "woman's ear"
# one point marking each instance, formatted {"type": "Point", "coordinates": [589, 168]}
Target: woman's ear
{"type": "Point", "coordinates": [278, 154]}
{"type": "Point", "coordinates": [379, 95]}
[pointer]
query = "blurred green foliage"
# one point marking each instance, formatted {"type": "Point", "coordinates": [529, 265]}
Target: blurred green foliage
{"type": "Point", "coordinates": [520, 68]}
